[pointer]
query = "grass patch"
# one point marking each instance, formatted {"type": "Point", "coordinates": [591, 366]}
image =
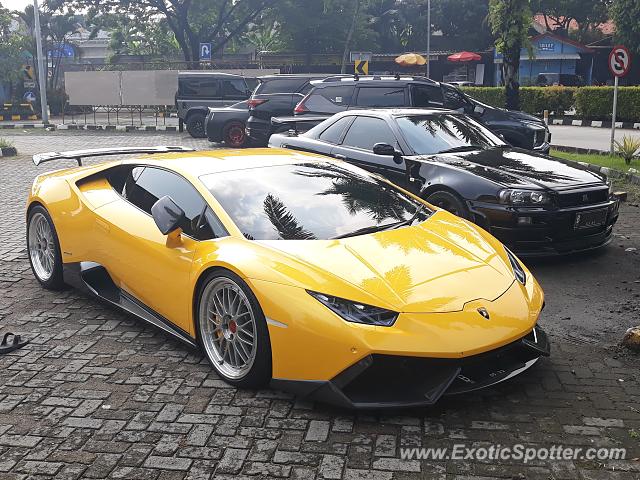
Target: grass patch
{"type": "Point", "coordinates": [4, 143]}
{"type": "Point", "coordinates": [610, 161]}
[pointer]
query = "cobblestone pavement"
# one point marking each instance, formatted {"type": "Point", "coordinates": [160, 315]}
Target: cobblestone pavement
{"type": "Point", "coordinates": [98, 394]}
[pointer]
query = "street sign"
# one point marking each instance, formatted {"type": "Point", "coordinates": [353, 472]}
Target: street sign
{"type": "Point", "coordinates": [619, 61]}
{"type": "Point", "coordinates": [29, 97]}
{"type": "Point", "coordinates": [205, 52]}
{"type": "Point", "coordinates": [619, 65]}
{"type": "Point", "coordinates": [366, 56]}
{"type": "Point", "coordinates": [362, 67]}
{"type": "Point", "coordinates": [29, 84]}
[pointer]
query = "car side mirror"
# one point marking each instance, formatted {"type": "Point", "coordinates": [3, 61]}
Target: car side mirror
{"type": "Point", "coordinates": [388, 150]}
{"type": "Point", "coordinates": [167, 215]}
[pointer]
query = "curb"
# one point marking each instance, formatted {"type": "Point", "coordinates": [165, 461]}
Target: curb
{"type": "Point", "coordinates": [609, 172]}
{"type": "Point", "coordinates": [576, 122]}
{"type": "Point", "coordinates": [92, 127]}
{"type": "Point", "coordinates": [8, 152]}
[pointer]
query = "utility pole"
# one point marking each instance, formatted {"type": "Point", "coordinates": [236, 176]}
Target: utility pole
{"type": "Point", "coordinates": [429, 39]}
{"type": "Point", "coordinates": [42, 65]}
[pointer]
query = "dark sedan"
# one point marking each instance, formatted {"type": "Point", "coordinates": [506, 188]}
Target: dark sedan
{"type": "Point", "coordinates": [227, 125]}
{"type": "Point", "coordinates": [534, 203]}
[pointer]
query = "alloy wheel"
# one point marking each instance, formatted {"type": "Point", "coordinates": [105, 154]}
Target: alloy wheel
{"type": "Point", "coordinates": [41, 247]}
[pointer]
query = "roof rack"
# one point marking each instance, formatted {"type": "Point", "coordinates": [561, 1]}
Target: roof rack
{"type": "Point", "coordinates": [78, 155]}
{"type": "Point", "coordinates": [388, 77]}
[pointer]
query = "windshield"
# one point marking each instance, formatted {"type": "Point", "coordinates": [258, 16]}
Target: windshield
{"type": "Point", "coordinates": [310, 201]}
{"type": "Point", "coordinates": [438, 133]}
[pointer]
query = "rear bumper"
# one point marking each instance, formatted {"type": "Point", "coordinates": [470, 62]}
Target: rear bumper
{"type": "Point", "coordinates": [387, 381]}
{"type": "Point", "coordinates": [547, 232]}
{"type": "Point", "coordinates": [259, 130]}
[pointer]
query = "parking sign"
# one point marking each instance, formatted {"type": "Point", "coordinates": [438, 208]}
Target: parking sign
{"type": "Point", "coordinates": [619, 61]}
{"type": "Point", "coordinates": [205, 52]}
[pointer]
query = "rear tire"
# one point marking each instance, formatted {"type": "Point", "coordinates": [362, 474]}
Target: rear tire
{"type": "Point", "coordinates": [234, 135]}
{"type": "Point", "coordinates": [232, 330]}
{"type": "Point", "coordinates": [43, 249]}
{"type": "Point", "coordinates": [195, 125]}
{"type": "Point", "coordinates": [450, 202]}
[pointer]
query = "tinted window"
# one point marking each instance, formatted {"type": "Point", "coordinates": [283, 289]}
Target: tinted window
{"type": "Point", "coordinates": [453, 98]}
{"type": "Point", "coordinates": [429, 134]}
{"type": "Point", "coordinates": [281, 85]}
{"type": "Point", "coordinates": [333, 133]}
{"type": "Point", "coordinates": [144, 186]}
{"type": "Point", "coordinates": [381, 97]}
{"type": "Point", "coordinates": [308, 201]}
{"type": "Point", "coordinates": [338, 95]}
{"type": "Point", "coordinates": [235, 89]}
{"type": "Point", "coordinates": [423, 96]}
{"type": "Point", "coordinates": [365, 132]}
{"type": "Point", "coordinates": [199, 87]}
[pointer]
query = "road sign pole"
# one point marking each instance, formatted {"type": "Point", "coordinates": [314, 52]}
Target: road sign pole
{"type": "Point", "coordinates": [42, 67]}
{"type": "Point", "coordinates": [615, 112]}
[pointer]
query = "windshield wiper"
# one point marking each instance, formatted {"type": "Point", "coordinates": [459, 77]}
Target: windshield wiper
{"type": "Point", "coordinates": [462, 148]}
{"type": "Point", "coordinates": [365, 230]}
{"type": "Point", "coordinates": [412, 219]}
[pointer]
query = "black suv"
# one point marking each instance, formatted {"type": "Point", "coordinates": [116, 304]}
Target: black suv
{"type": "Point", "coordinates": [276, 95]}
{"type": "Point", "coordinates": [199, 90]}
{"type": "Point", "coordinates": [336, 94]}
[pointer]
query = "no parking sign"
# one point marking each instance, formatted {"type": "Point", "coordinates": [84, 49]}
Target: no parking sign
{"type": "Point", "coordinates": [619, 61]}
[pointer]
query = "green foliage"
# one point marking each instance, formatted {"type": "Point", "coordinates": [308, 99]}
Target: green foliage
{"type": "Point", "coordinates": [559, 15]}
{"type": "Point", "coordinates": [626, 15]}
{"type": "Point", "coordinates": [597, 103]}
{"type": "Point", "coordinates": [12, 45]}
{"type": "Point", "coordinates": [627, 148]}
{"type": "Point", "coordinates": [534, 100]}
{"type": "Point", "coordinates": [265, 38]}
{"type": "Point", "coordinates": [4, 143]}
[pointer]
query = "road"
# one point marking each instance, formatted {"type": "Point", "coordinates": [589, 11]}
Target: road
{"type": "Point", "coordinates": [98, 394]}
{"type": "Point", "coordinates": [586, 137]}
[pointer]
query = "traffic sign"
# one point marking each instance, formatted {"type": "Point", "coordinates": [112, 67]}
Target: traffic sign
{"type": "Point", "coordinates": [29, 84]}
{"type": "Point", "coordinates": [362, 67]}
{"type": "Point", "coordinates": [205, 52]}
{"type": "Point", "coordinates": [29, 97]}
{"type": "Point", "coordinates": [355, 56]}
{"type": "Point", "coordinates": [619, 61]}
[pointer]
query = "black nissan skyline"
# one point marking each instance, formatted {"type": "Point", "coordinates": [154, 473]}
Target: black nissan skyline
{"type": "Point", "coordinates": [536, 204]}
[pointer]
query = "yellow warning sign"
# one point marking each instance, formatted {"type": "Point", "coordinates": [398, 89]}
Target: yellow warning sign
{"type": "Point", "coordinates": [362, 67]}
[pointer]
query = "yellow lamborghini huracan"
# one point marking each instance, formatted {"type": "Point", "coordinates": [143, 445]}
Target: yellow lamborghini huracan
{"type": "Point", "coordinates": [292, 269]}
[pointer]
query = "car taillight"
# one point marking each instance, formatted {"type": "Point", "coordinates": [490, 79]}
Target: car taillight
{"type": "Point", "coordinates": [301, 107]}
{"type": "Point", "coordinates": [254, 102]}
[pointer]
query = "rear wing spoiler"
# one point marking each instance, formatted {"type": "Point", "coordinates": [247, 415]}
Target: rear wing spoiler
{"type": "Point", "coordinates": [78, 155]}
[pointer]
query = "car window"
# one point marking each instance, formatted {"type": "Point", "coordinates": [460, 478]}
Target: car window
{"type": "Point", "coordinates": [307, 88]}
{"type": "Point", "coordinates": [338, 95]}
{"type": "Point", "coordinates": [235, 89]}
{"type": "Point", "coordinates": [429, 134]}
{"type": "Point", "coordinates": [425, 96]}
{"type": "Point", "coordinates": [281, 85]}
{"type": "Point", "coordinates": [308, 201]}
{"type": "Point", "coordinates": [381, 97]}
{"type": "Point", "coordinates": [333, 133]}
{"type": "Point", "coordinates": [453, 98]}
{"type": "Point", "coordinates": [199, 87]}
{"type": "Point", "coordinates": [144, 186]}
{"type": "Point", "coordinates": [365, 132]}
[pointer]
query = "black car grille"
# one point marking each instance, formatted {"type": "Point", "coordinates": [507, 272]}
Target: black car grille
{"type": "Point", "coordinates": [583, 197]}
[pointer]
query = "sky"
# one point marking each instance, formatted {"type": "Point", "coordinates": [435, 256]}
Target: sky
{"type": "Point", "coordinates": [16, 4]}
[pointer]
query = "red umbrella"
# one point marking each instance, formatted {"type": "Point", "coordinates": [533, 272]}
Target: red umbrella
{"type": "Point", "coordinates": [464, 57]}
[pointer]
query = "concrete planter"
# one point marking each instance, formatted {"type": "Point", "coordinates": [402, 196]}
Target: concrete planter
{"type": "Point", "coordinates": [8, 152]}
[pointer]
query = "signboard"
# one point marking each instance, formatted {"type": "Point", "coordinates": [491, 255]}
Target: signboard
{"type": "Point", "coordinates": [362, 67]}
{"type": "Point", "coordinates": [366, 56]}
{"type": "Point", "coordinates": [546, 46]}
{"type": "Point", "coordinates": [29, 84]}
{"type": "Point", "coordinates": [619, 61]}
{"type": "Point", "coordinates": [205, 52]}
{"type": "Point", "coordinates": [29, 97]}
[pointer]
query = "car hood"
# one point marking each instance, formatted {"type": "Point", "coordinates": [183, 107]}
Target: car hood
{"type": "Point", "coordinates": [520, 168]}
{"type": "Point", "coordinates": [520, 116]}
{"type": "Point", "coordinates": [436, 266]}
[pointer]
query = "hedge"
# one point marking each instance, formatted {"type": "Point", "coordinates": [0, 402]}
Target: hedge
{"type": "Point", "coordinates": [590, 103]}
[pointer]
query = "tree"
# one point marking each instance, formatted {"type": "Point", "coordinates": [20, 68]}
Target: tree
{"type": "Point", "coordinates": [352, 28]}
{"type": "Point", "coordinates": [191, 21]}
{"type": "Point", "coordinates": [462, 23]}
{"type": "Point", "coordinates": [559, 15]}
{"type": "Point", "coordinates": [510, 21]}
{"type": "Point", "coordinates": [12, 46]}
{"type": "Point", "coordinates": [626, 15]}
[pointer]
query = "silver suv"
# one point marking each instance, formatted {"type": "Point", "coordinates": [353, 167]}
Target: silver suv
{"type": "Point", "coordinates": [208, 89]}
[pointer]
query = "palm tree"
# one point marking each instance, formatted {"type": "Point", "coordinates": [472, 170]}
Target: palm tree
{"type": "Point", "coordinates": [285, 223]}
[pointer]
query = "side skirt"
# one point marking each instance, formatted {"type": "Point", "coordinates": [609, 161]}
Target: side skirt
{"type": "Point", "coordinates": [93, 278]}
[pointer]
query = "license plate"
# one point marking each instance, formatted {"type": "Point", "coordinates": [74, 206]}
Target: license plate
{"type": "Point", "coordinates": [591, 219]}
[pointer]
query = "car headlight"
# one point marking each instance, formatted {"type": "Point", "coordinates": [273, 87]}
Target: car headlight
{"type": "Point", "coordinates": [356, 312]}
{"type": "Point", "coordinates": [524, 197]}
{"type": "Point", "coordinates": [518, 271]}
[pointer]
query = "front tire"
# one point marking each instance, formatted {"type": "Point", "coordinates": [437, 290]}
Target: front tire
{"type": "Point", "coordinates": [195, 125]}
{"type": "Point", "coordinates": [43, 248]}
{"type": "Point", "coordinates": [233, 331]}
{"type": "Point", "coordinates": [450, 202]}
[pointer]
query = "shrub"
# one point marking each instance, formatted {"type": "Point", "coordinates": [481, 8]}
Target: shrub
{"type": "Point", "coordinates": [627, 148]}
{"type": "Point", "coordinates": [534, 100]}
{"type": "Point", "coordinates": [4, 143]}
{"type": "Point", "coordinates": [596, 103]}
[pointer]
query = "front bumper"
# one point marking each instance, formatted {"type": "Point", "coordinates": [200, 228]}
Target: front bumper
{"type": "Point", "coordinates": [389, 381]}
{"type": "Point", "coordinates": [550, 232]}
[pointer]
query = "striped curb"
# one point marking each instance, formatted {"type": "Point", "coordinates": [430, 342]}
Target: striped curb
{"type": "Point", "coordinates": [576, 122]}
